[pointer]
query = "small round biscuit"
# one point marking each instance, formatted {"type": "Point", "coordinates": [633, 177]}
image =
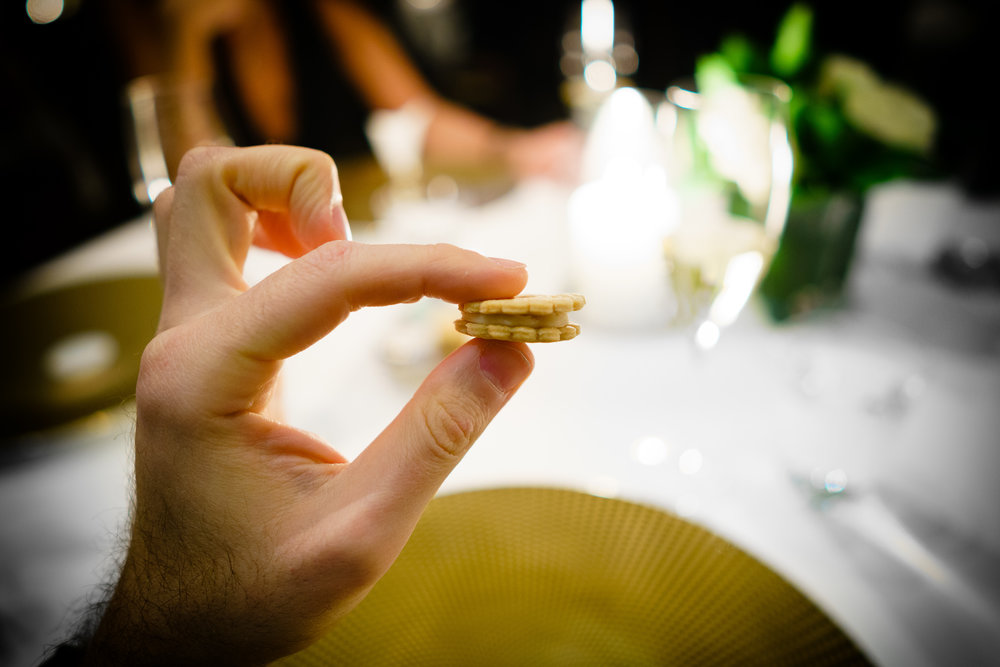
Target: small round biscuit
{"type": "Point", "coordinates": [530, 318]}
{"type": "Point", "coordinates": [534, 304]}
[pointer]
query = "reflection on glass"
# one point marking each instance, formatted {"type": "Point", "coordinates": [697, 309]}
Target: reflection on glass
{"type": "Point", "coordinates": [149, 164]}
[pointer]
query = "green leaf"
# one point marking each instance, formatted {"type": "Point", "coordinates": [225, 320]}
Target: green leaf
{"type": "Point", "coordinates": [827, 122]}
{"type": "Point", "coordinates": [793, 44]}
{"type": "Point", "coordinates": [713, 72]}
{"type": "Point", "coordinates": [738, 52]}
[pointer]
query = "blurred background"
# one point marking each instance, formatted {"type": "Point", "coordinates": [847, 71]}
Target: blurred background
{"type": "Point", "coordinates": [846, 434]}
{"type": "Point", "coordinates": [64, 66]}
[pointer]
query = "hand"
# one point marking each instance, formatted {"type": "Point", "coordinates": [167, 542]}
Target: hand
{"type": "Point", "coordinates": [250, 537]}
{"type": "Point", "coordinates": [550, 151]}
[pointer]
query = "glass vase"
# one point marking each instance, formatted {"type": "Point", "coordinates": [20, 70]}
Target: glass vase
{"type": "Point", "coordinates": [811, 266]}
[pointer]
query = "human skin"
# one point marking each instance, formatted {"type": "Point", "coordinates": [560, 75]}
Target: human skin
{"type": "Point", "coordinates": [250, 538]}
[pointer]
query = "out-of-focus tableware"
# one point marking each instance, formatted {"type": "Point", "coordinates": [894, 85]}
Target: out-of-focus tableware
{"type": "Point", "coordinates": [545, 576]}
{"type": "Point", "coordinates": [74, 350]}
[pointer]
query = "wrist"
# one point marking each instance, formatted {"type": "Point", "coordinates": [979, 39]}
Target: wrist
{"type": "Point", "coordinates": [198, 607]}
{"type": "Point", "coordinates": [127, 633]}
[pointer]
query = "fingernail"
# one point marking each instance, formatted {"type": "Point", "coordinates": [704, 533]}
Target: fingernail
{"type": "Point", "coordinates": [508, 263]}
{"type": "Point", "coordinates": [505, 365]}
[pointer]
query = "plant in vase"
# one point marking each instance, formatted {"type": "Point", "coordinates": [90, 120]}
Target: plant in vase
{"type": "Point", "coordinates": [850, 130]}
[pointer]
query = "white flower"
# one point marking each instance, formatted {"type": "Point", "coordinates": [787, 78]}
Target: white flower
{"type": "Point", "coordinates": [885, 111]}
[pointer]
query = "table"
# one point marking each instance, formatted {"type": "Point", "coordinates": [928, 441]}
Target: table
{"type": "Point", "coordinates": [894, 399]}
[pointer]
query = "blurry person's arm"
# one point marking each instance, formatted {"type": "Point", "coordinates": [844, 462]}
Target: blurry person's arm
{"type": "Point", "coordinates": [168, 44]}
{"type": "Point", "coordinates": [385, 76]}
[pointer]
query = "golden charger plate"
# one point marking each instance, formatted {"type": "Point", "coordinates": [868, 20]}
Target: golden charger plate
{"type": "Point", "coordinates": [74, 350]}
{"type": "Point", "coordinates": [537, 576]}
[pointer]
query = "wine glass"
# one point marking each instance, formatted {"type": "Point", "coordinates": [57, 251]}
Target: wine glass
{"type": "Point", "coordinates": [165, 118]}
{"type": "Point", "coordinates": [730, 162]}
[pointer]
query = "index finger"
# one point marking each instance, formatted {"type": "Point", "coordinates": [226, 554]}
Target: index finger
{"type": "Point", "coordinates": [303, 301]}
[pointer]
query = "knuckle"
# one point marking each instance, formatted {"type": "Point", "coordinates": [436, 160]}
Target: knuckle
{"type": "Point", "coordinates": [197, 159]}
{"type": "Point", "coordinates": [358, 567]}
{"type": "Point", "coordinates": [443, 252]}
{"type": "Point", "coordinates": [450, 427]}
{"type": "Point", "coordinates": [336, 256]}
{"type": "Point", "coordinates": [354, 558]}
{"type": "Point", "coordinates": [444, 248]}
{"type": "Point", "coordinates": [321, 162]}
{"type": "Point", "coordinates": [312, 171]}
{"type": "Point", "coordinates": [163, 204]}
{"type": "Point", "coordinates": [332, 252]}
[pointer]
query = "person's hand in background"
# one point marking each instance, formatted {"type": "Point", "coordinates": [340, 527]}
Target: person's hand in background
{"type": "Point", "coordinates": [550, 151]}
{"type": "Point", "coordinates": [250, 538]}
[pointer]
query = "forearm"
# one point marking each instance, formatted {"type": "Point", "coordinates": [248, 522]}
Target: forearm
{"type": "Point", "coordinates": [457, 136]}
{"type": "Point", "coordinates": [189, 115]}
{"type": "Point", "coordinates": [371, 56]}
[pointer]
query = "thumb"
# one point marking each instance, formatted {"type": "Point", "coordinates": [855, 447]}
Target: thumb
{"type": "Point", "coordinates": [450, 410]}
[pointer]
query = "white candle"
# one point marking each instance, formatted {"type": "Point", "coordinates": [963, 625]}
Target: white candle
{"type": "Point", "coordinates": [620, 217]}
{"type": "Point", "coordinates": [617, 229]}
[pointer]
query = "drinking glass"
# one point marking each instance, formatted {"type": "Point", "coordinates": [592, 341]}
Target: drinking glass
{"type": "Point", "coordinates": [165, 118]}
{"type": "Point", "coordinates": [730, 163]}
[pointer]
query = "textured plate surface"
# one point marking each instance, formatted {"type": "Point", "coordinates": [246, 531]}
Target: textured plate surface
{"type": "Point", "coordinates": [75, 350]}
{"type": "Point", "coordinates": [535, 576]}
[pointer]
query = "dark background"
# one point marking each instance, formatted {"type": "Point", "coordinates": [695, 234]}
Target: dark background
{"type": "Point", "coordinates": [63, 174]}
